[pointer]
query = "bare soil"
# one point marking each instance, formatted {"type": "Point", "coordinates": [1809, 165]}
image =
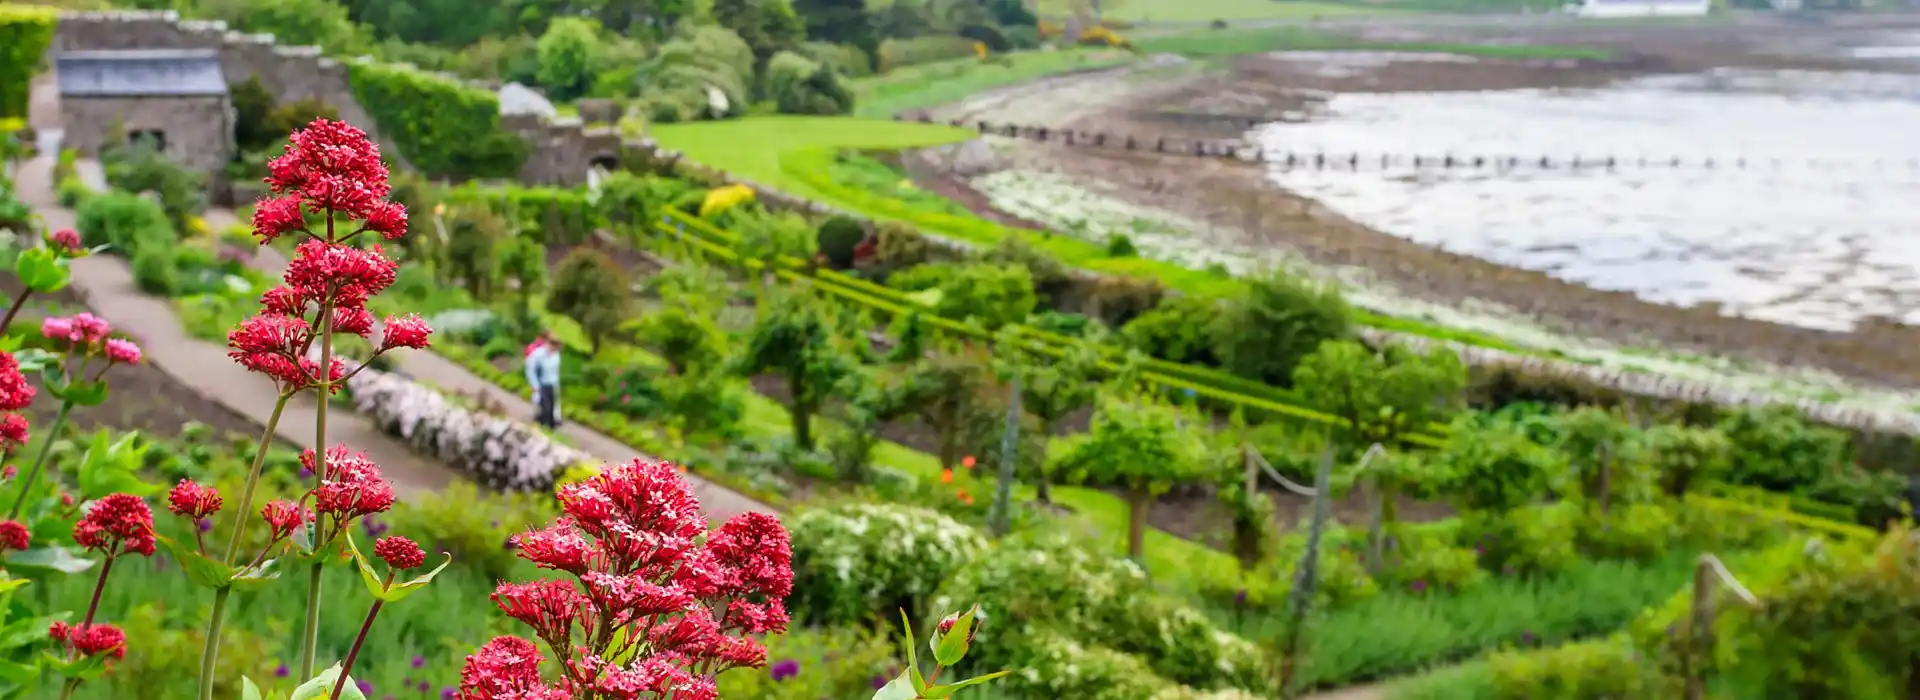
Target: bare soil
{"type": "Point", "coordinates": [1238, 197]}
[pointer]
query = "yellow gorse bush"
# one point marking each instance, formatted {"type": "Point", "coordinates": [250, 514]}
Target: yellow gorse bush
{"type": "Point", "coordinates": [724, 198]}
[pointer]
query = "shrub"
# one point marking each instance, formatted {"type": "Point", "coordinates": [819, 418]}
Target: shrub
{"type": "Point", "coordinates": [802, 86]}
{"type": "Point", "coordinates": [25, 33]}
{"type": "Point", "coordinates": [1631, 531]}
{"type": "Point", "coordinates": [1120, 246]}
{"type": "Point", "coordinates": [845, 59]}
{"type": "Point", "coordinates": [127, 222]}
{"type": "Point", "coordinates": [141, 167]}
{"type": "Point", "coordinates": [154, 273]}
{"type": "Point", "coordinates": [1058, 666]}
{"type": "Point", "coordinates": [898, 53]}
{"type": "Point", "coordinates": [838, 236]}
{"type": "Point", "coordinates": [1601, 670]}
{"type": "Point", "coordinates": [1538, 539]}
{"type": "Point", "coordinates": [1495, 467]}
{"type": "Point", "coordinates": [592, 290]}
{"type": "Point", "coordinates": [1176, 331]}
{"type": "Point", "coordinates": [471, 525]}
{"type": "Point", "coordinates": [499, 453]}
{"type": "Point", "coordinates": [1775, 448]}
{"type": "Point", "coordinates": [1276, 321]}
{"type": "Point", "coordinates": [989, 295]}
{"type": "Point", "coordinates": [1051, 278]}
{"type": "Point", "coordinates": [474, 234]}
{"type": "Point", "coordinates": [700, 59]}
{"type": "Point", "coordinates": [765, 235]}
{"type": "Point", "coordinates": [686, 340]}
{"type": "Point", "coordinates": [850, 561]}
{"type": "Point", "coordinates": [443, 127]}
{"type": "Point", "coordinates": [833, 662]}
{"type": "Point", "coordinates": [71, 191]}
{"type": "Point", "coordinates": [899, 245]}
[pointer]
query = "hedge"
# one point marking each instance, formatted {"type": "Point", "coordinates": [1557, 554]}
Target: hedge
{"type": "Point", "coordinates": [443, 127]}
{"type": "Point", "coordinates": [1233, 392]}
{"type": "Point", "coordinates": [548, 215]}
{"type": "Point", "coordinates": [25, 33]}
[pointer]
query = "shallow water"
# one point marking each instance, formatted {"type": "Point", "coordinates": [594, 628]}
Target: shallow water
{"type": "Point", "coordinates": [1818, 245]}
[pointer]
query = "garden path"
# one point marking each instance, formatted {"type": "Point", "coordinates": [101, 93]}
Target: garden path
{"type": "Point", "coordinates": [449, 377]}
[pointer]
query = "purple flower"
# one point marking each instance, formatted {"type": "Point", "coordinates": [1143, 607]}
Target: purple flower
{"type": "Point", "coordinates": [1419, 586]}
{"type": "Point", "coordinates": [1526, 637]}
{"type": "Point", "coordinates": [204, 524]}
{"type": "Point", "coordinates": [365, 687]}
{"type": "Point", "coordinates": [373, 527]}
{"type": "Point", "coordinates": [280, 672]}
{"type": "Point", "coordinates": [419, 661]}
{"type": "Point", "coordinates": [1240, 597]}
{"type": "Point", "coordinates": [509, 545]}
{"type": "Point", "coordinates": [784, 669]}
{"type": "Point", "coordinates": [424, 686]}
{"type": "Point", "coordinates": [879, 682]}
{"type": "Point", "coordinates": [447, 693]}
{"type": "Point", "coordinates": [306, 473]}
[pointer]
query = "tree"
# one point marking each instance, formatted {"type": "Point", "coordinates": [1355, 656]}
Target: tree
{"type": "Point", "coordinates": [1684, 456]}
{"type": "Point", "coordinates": [768, 26]}
{"type": "Point", "coordinates": [474, 234]}
{"type": "Point", "coordinates": [687, 339]}
{"type": "Point", "coordinates": [1051, 388]}
{"type": "Point", "coordinates": [568, 52]}
{"type": "Point", "coordinates": [839, 22]}
{"type": "Point", "coordinates": [591, 289]}
{"type": "Point", "coordinates": [800, 85]}
{"type": "Point", "coordinates": [1275, 322]}
{"type": "Point", "coordinates": [794, 337]}
{"type": "Point", "coordinates": [321, 23]}
{"type": "Point", "coordinates": [1382, 395]}
{"type": "Point", "coordinates": [954, 392]}
{"type": "Point", "coordinates": [523, 264]}
{"type": "Point", "coordinates": [1141, 446]}
{"type": "Point", "coordinates": [1493, 468]}
{"type": "Point", "coordinates": [991, 295]}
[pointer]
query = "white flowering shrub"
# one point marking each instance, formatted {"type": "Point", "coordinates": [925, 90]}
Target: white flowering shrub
{"type": "Point", "coordinates": [1035, 587]}
{"type": "Point", "coordinates": [500, 454]}
{"type": "Point", "coordinates": [853, 561]}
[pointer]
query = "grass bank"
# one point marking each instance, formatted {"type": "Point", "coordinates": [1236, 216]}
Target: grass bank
{"type": "Point", "coordinates": [1232, 42]}
{"type": "Point", "coordinates": [1139, 11]}
{"type": "Point", "coordinates": [944, 82]}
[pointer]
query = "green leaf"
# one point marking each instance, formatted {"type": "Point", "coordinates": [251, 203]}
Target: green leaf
{"type": "Point", "coordinates": [41, 271]}
{"type": "Point", "coordinates": [950, 650]}
{"type": "Point", "coordinates": [400, 591]}
{"type": "Point", "coordinates": [942, 691]}
{"type": "Point", "coordinates": [84, 668]}
{"type": "Point", "coordinates": [248, 691]}
{"type": "Point", "coordinates": [375, 585]}
{"type": "Point", "coordinates": [254, 578]}
{"type": "Point", "coordinates": [898, 689]}
{"type": "Point", "coordinates": [9, 585]}
{"type": "Point", "coordinates": [31, 630]}
{"type": "Point", "coordinates": [12, 343]}
{"type": "Point", "coordinates": [15, 673]}
{"type": "Point", "coordinates": [33, 359]}
{"type": "Point", "coordinates": [47, 560]}
{"type": "Point", "coordinates": [913, 663]}
{"type": "Point", "coordinates": [202, 570]}
{"type": "Point", "coordinates": [321, 687]}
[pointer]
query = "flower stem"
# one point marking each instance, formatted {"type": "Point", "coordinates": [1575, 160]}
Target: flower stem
{"type": "Point", "coordinates": [210, 655]}
{"type": "Point", "coordinates": [311, 640]}
{"type": "Point", "coordinates": [15, 309]}
{"type": "Point", "coordinates": [354, 651]}
{"type": "Point", "coordinates": [240, 518]}
{"type": "Point", "coordinates": [99, 585]}
{"type": "Point", "coordinates": [46, 448]}
{"type": "Point", "coordinates": [67, 691]}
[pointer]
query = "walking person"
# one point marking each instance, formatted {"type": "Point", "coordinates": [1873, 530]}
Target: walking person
{"type": "Point", "coordinates": [543, 374]}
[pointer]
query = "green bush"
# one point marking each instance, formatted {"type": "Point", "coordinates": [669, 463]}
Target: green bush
{"type": "Point", "coordinates": [898, 53]}
{"type": "Point", "coordinates": [838, 236]}
{"type": "Point", "coordinates": [1608, 669]}
{"type": "Point", "coordinates": [140, 167]}
{"type": "Point", "coordinates": [549, 215]}
{"type": "Point", "coordinates": [25, 33]}
{"type": "Point", "coordinates": [154, 273]}
{"type": "Point", "coordinates": [1630, 531]}
{"type": "Point", "coordinates": [799, 85]}
{"type": "Point", "coordinates": [129, 223]}
{"type": "Point", "coordinates": [853, 561]}
{"type": "Point", "coordinates": [1178, 330]}
{"type": "Point", "coordinates": [1071, 666]}
{"type": "Point", "coordinates": [591, 289]}
{"type": "Point", "coordinates": [71, 191]}
{"type": "Point", "coordinates": [677, 80]}
{"type": "Point", "coordinates": [470, 525]}
{"type": "Point", "coordinates": [442, 127]}
{"type": "Point", "coordinates": [989, 295]}
{"type": "Point", "coordinates": [1276, 321]}
{"type": "Point", "coordinates": [833, 663]}
{"type": "Point", "coordinates": [766, 235]}
{"type": "Point", "coordinates": [1775, 448]}
{"type": "Point", "coordinates": [845, 59]}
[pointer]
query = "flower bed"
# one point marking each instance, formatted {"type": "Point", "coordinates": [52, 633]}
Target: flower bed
{"type": "Point", "coordinates": [499, 453]}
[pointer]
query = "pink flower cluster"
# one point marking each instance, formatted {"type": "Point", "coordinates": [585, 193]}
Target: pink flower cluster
{"type": "Point", "coordinates": [330, 168]}
{"type": "Point", "coordinates": [86, 334]}
{"type": "Point", "coordinates": [651, 612]}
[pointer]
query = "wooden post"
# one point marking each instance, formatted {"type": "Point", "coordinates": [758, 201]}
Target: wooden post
{"type": "Point", "coordinates": [1307, 576]}
{"type": "Point", "coordinates": [1000, 517]}
{"type": "Point", "coordinates": [1700, 632]}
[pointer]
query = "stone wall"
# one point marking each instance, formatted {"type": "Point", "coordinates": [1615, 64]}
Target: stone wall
{"type": "Point", "coordinates": [561, 147]}
{"type": "Point", "coordinates": [196, 129]}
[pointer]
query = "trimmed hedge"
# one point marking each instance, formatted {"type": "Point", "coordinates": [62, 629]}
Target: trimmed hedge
{"type": "Point", "coordinates": [548, 215]}
{"type": "Point", "coordinates": [25, 33]}
{"type": "Point", "coordinates": [443, 127]}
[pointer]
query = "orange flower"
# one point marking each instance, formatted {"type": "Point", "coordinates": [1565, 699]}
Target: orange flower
{"type": "Point", "coordinates": [946, 476]}
{"type": "Point", "coordinates": [964, 498]}
{"type": "Point", "coordinates": [967, 461]}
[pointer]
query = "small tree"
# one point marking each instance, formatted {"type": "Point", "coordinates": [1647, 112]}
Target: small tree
{"type": "Point", "coordinates": [990, 295]}
{"type": "Point", "coordinates": [474, 234]}
{"type": "Point", "coordinates": [1278, 320]}
{"type": "Point", "coordinates": [797, 339]}
{"type": "Point", "coordinates": [1141, 446]}
{"type": "Point", "coordinates": [685, 338]}
{"type": "Point", "coordinates": [1683, 456]}
{"type": "Point", "coordinates": [1382, 395]}
{"type": "Point", "coordinates": [567, 52]}
{"type": "Point", "coordinates": [1051, 388]}
{"type": "Point", "coordinates": [523, 267]}
{"type": "Point", "coordinates": [592, 290]}
{"type": "Point", "coordinates": [955, 393]}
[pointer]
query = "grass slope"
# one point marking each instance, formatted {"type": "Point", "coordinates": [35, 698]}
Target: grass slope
{"type": "Point", "coordinates": [751, 148]}
{"type": "Point", "coordinates": [1237, 42]}
{"type": "Point", "coordinates": [1209, 10]}
{"type": "Point", "coordinates": [944, 82]}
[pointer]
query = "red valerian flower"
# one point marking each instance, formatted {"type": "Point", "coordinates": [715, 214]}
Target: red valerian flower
{"type": "Point", "coordinates": [560, 546]}
{"type": "Point", "coordinates": [59, 631]}
{"type": "Point", "coordinates": [346, 274]}
{"type": "Point", "coordinates": [549, 607]}
{"type": "Point", "coordinates": [400, 553]}
{"type": "Point", "coordinates": [15, 393]}
{"type": "Point", "coordinates": [65, 241]}
{"type": "Point", "coordinates": [13, 432]}
{"type": "Point", "coordinates": [389, 219]}
{"type": "Point", "coordinates": [14, 536]}
{"type": "Point", "coordinates": [333, 167]}
{"type": "Point", "coordinates": [89, 328]}
{"type": "Point", "coordinates": [115, 524]}
{"type": "Point", "coordinates": [283, 517]}
{"type": "Point", "coordinates": [278, 216]}
{"type": "Point", "coordinates": [507, 668]}
{"type": "Point", "coordinates": [405, 332]}
{"type": "Point", "coordinates": [97, 639]}
{"type": "Point", "coordinates": [192, 500]}
{"type": "Point", "coordinates": [350, 486]}
{"type": "Point", "coordinates": [123, 352]}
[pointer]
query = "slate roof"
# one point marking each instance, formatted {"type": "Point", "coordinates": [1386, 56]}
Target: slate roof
{"type": "Point", "coordinates": [144, 73]}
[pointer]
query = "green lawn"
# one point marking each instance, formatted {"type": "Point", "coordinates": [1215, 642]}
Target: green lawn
{"type": "Point", "coordinates": [751, 148]}
{"type": "Point", "coordinates": [1210, 10]}
{"type": "Point", "coordinates": [945, 82]}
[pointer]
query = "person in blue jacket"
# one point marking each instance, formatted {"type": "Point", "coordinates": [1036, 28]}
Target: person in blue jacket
{"type": "Point", "coordinates": [543, 374]}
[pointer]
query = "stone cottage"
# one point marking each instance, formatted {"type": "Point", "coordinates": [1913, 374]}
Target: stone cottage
{"type": "Point", "coordinates": [176, 97]}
